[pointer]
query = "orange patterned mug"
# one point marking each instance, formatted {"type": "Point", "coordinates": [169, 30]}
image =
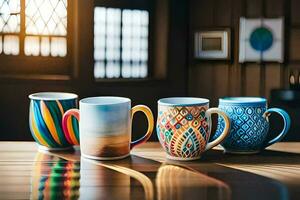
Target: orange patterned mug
{"type": "Point", "coordinates": [184, 127]}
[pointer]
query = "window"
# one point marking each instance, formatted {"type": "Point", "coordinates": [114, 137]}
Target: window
{"type": "Point", "coordinates": [45, 27]}
{"type": "Point", "coordinates": [120, 42]}
{"type": "Point", "coordinates": [9, 27]}
{"type": "Point", "coordinates": [35, 38]}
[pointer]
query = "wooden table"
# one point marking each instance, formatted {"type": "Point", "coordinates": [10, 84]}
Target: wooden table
{"type": "Point", "coordinates": [27, 173]}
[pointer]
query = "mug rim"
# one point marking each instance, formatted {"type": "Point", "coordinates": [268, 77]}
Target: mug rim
{"type": "Point", "coordinates": [52, 96]}
{"type": "Point", "coordinates": [183, 101]}
{"type": "Point", "coordinates": [243, 100]}
{"type": "Point", "coordinates": [97, 99]}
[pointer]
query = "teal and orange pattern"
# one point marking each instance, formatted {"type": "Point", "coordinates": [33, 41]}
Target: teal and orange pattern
{"type": "Point", "coordinates": [45, 121]}
{"type": "Point", "coordinates": [183, 131]}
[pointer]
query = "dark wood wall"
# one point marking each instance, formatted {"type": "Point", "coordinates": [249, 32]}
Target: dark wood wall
{"type": "Point", "coordinates": [214, 79]}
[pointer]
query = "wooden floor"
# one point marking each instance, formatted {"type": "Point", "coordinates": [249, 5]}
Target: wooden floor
{"type": "Point", "coordinates": [26, 173]}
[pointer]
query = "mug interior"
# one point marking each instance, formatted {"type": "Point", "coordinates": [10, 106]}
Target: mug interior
{"type": "Point", "coordinates": [183, 101]}
{"type": "Point", "coordinates": [243, 100]}
{"type": "Point", "coordinates": [52, 96]}
{"type": "Point", "coordinates": [104, 100]}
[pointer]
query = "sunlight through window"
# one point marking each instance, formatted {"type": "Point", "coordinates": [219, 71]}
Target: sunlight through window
{"type": "Point", "coordinates": [11, 45]}
{"type": "Point", "coordinates": [120, 43]}
{"type": "Point", "coordinates": [48, 19]}
{"type": "Point", "coordinates": [9, 26]}
{"type": "Point", "coordinates": [45, 27]}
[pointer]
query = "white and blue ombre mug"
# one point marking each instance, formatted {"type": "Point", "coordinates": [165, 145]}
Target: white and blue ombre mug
{"type": "Point", "coordinates": [249, 124]}
{"type": "Point", "coordinates": [105, 126]}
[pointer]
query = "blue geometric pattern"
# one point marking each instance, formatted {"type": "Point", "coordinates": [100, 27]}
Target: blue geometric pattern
{"type": "Point", "coordinates": [249, 128]}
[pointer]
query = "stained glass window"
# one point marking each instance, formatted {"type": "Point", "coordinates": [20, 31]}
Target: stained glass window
{"type": "Point", "coordinates": [44, 24]}
{"type": "Point", "coordinates": [9, 26]}
{"type": "Point", "coordinates": [120, 43]}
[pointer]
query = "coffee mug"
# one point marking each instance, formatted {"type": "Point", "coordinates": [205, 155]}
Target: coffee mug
{"type": "Point", "coordinates": [249, 124]}
{"type": "Point", "coordinates": [184, 127]}
{"type": "Point", "coordinates": [45, 120]}
{"type": "Point", "coordinates": [105, 126]}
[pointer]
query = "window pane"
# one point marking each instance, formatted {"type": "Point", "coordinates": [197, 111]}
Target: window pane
{"type": "Point", "coordinates": [135, 42]}
{"type": "Point", "coordinates": [143, 70]}
{"type": "Point", "coordinates": [99, 70]}
{"type": "Point", "coordinates": [135, 70]}
{"type": "Point", "coordinates": [11, 45]}
{"type": "Point", "coordinates": [9, 24]}
{"type": "Point", "coordinates": [46, 17]}
{"type": "Point", "coordinates": [45, 46]}
{"type": "Point", "coordinates": [58, 46]}
{"type": "Point", "coordinates": [126, 70]}
{"type": "Point", "coordinates": [48, 20]}
{"type": "Point", "coordinates": [32, 46]}
{"type": "Point", "coordinates": [10, 16]}
{"type": "Point", "coordinates": [126, 57]}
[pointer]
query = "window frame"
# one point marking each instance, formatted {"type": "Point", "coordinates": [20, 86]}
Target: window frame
{"type": "Point", "coordinates": [147, 5]}
{"type": "Point", "coordinates": [38, 67]}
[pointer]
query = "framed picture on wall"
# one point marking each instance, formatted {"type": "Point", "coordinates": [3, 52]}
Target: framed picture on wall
{"type": "Point", "coordinates": [261, 40]}
{"type": "Point", "coordinates": [212, 44]}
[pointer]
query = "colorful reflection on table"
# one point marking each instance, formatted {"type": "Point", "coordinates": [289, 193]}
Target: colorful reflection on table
{"type": "Point", "coordinates": [67, 176]}
{"type": "Point", "coordinates": [54, 178]}
{"type": "Point", "coordinates": [181, 182]}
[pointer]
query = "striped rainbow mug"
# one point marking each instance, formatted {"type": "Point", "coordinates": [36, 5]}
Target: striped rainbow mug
{"type": "Point", "coordinates": [45, 120]}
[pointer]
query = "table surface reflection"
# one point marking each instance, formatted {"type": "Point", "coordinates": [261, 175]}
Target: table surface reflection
{"type": "Point", "coordinates": [26, 173]}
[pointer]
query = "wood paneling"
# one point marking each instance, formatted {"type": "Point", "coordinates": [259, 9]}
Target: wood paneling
{"type": "Point", "coordinates": [274, 8]}
{"type": "Point", "coordinates": [254, 8]}
{"type": "Point", "coordinates": [235, 75]}
{"type": "Point", "coordinates": [272, 78]}
{"type": "Point", "coordinates": [221, 83]}
{"type": "Point", "coordinates": [295, 14]}
{"type": "Point", "coordinates": [161, 31]}
{"type": "Point", "coordinates": [252, 80]}
{"type": "Point", "coordinates": [202, 82]}
{"type": "Point", "coordinates": [295, 45]}
{"type": "Point", "coordinates": [225, 18]}
{"type": "Point", "coordinates": [233, 78]}
{"type": "Point", "coordinates": [202, 13]}
{"type": "Point", "coordinates": [212, 81]}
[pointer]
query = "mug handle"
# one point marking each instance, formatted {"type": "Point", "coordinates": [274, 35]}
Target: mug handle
{"type": "Point", "coordinates": [286, 124]}
{"type": "Point", "coordinates": [67, 127]}
{"type": "Point", "coordinates": [226, 129]}
{"type": "Point", "coordinates": [146, 110]}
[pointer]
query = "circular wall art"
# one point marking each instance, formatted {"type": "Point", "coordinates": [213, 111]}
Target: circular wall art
{"type": "Point", "coordinates": [261, 39]}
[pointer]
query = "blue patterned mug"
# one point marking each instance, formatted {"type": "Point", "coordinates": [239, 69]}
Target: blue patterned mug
{"type": "Point", "coordinates": [249, 124]}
